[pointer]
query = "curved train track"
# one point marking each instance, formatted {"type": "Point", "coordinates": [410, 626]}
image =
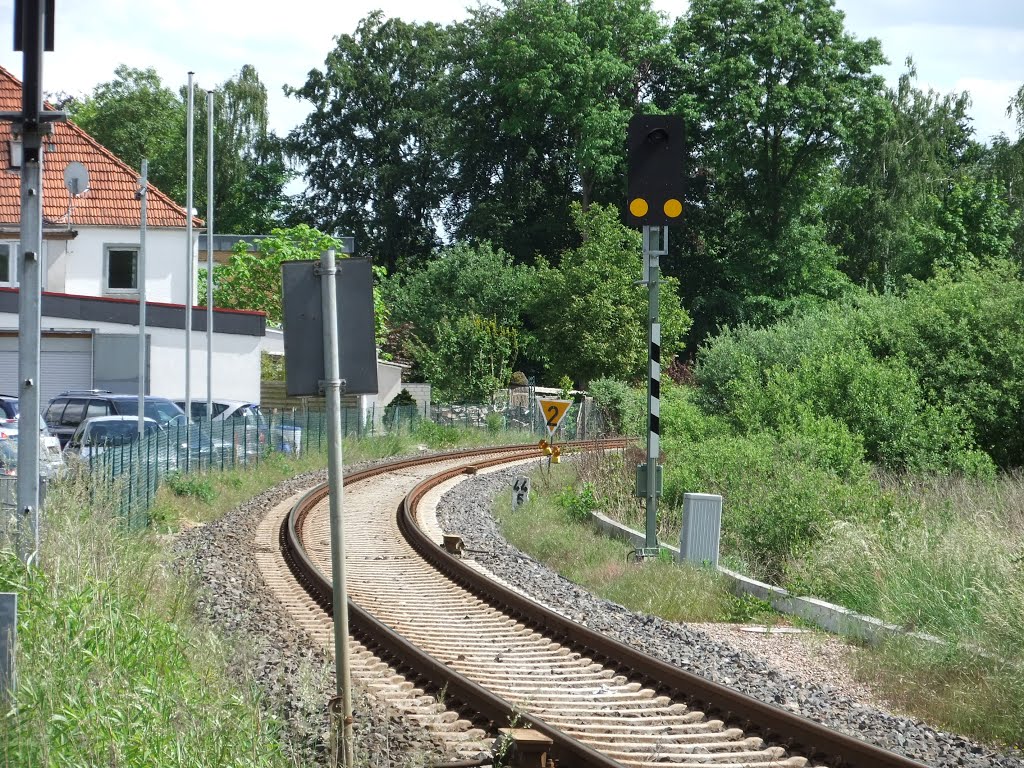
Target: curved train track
{"type": "Point", "coordinates": [508, 661]}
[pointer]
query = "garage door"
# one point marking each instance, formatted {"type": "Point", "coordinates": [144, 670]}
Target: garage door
{"type": "Point", "coordinates": [65, 362]}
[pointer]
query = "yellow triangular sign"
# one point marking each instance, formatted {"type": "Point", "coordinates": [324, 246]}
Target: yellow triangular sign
{"type": "Point", "coordinates": [554, 411]}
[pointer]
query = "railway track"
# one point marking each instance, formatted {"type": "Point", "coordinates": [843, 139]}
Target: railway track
{"type": "Point", "coordinates": [507, 661]}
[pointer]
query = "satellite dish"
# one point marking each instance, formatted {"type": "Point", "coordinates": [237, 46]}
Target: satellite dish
{"type": "Point", "coordinates": [76, 178]}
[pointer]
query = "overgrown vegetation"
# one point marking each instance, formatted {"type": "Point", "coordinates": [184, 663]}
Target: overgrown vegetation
{"type": "Point", "coordinates": [850, 446]}
{"type": "Point", "coordinates": [112, 668]}
{"type": "Point", "coordinates": [554, 528]}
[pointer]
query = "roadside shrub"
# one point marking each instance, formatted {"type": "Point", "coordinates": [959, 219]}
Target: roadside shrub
{"type": "Point", "coordinates": [683, 418]}
{"type": "Point", "coordinates": [577, 502]}
{"type": "Point", "coordinates": [962, 337]}
{"type": "Point", "coordinates": [776, 502]}
{"type": "Point", "coordinates": [494, 422]}
{"type": "Point", "coordinates": [622, 407]}
{"type": "Point", "coordinates": [195, 486]}
{"type": "Point", "coordinates": [436, 435]}
{"type": "Point", "coordinates": [401, 408]}
{"type": "Point", "coordinates": [518, 379]}
{"type": "Point", "coordinates": [813, 368]}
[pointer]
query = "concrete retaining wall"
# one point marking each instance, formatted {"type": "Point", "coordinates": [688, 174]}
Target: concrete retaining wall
{"type": "Point", "coordinates": [833, 618]}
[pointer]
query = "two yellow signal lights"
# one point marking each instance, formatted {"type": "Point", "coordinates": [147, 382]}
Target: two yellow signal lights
{"type": "Point", "coordinates": [639, 207]}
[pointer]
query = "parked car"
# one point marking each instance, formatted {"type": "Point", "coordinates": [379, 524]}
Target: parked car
{"type": "Point", "coordinates": [8, 410]}
{"type": "Point", "coordinates": [242, 422]}
{"type": "Point", "coordinates": [8, 455]}
{"type": "Point", "coordinates": [172, 445]}
{"type": "Point", "coordinates": [69, 409]}
{"type": "Point", "coordinates": [51, 460]}
{"type": "Point", "coordinates": [93, 436]}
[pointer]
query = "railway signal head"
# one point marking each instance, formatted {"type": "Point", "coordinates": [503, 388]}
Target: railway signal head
{"type": "Point", "coordinates": [654, 183]}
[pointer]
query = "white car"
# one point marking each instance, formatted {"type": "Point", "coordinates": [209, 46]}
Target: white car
{"type": "Point", "coordinates": [95, 435]}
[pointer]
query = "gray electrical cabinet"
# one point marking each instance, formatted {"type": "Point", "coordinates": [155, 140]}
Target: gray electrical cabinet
{"type": "Point", "coordinates": [702, 528]}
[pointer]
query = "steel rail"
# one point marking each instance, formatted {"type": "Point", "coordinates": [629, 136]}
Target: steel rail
{"type": "Point", "coordinates": [797, 734]}
{"type": "Point", "coordinates": [478, 701]}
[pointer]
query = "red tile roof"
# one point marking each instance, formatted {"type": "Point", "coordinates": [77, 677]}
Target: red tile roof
{"type": "Point", "coordinates": [110, 200]}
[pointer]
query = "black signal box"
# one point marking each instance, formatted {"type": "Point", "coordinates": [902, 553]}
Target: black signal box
{"type": "Point", "coordinates": [655, 146]}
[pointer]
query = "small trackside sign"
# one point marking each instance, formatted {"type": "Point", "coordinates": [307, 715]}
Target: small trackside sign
{"type": "Point", "coordinates": [554, 411]}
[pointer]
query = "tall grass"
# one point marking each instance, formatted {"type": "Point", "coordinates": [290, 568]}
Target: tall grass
{"type": "Point", "coordinates": [551, 528]}
{"type": "Point", "coordinates": [111, 668]}
{"type": "Point", "coordinates": [948, 562]}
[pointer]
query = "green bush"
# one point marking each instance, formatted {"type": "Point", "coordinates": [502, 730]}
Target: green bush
{"type": "Point", "coordinates": [196, 486]}
{"type": "Point", "coordinates": [621, 406]}
{"type": "Point", "coordinates": [577, 502]}
{"type": "Point", "coordinates": [495, 422]}
{"type": "Point", "coordinates": [402, 408]}
{"type": "Point", "coordinates": [814, 368]}
{"type": "Point", "coordinates": [777, 503]}
{"type": "Point", "coordinates": [437, 435]}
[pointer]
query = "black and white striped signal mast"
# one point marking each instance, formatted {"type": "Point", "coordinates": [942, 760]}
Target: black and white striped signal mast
{"type": "Point", "coordinates": [654, 184]}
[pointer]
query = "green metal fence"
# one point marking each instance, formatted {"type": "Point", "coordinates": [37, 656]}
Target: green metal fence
{"type": "Point", "coordinates": [134, 468]}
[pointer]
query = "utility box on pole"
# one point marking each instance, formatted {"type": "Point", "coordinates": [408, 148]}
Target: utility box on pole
{"type": "Point", "coordinates": [702, 528]}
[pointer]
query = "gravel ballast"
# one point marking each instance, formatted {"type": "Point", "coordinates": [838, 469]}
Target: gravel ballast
{"type": "Point", "coordinates": [294, 674]}
{"type": "Point", "coordinates": [465, 510]}
{"type": "Point", "coordinates": [297, 677]}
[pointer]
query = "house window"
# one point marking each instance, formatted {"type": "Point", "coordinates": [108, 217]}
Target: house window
{"type": "Point", "coordinates": [8, 264]}
{"type": "Point", "coordinates": [122, 269]}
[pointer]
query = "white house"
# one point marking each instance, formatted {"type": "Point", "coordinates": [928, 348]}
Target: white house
{"type": "Point", "coordinates": [90, 303]}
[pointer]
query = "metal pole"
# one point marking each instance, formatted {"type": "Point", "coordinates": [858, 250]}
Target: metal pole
{"type": "Point", "coordinates": [209, 256]}
{"type": "Point", "coordinates": [143, 197]}
{"type": "Point", "coordinates": [190, 280]}
{"type": "Point", "coordinates": [30, 278]}
{"type": "Point", "coordinates": [653, 381]}
{"type": "Point", "coordinates": [332, 391]}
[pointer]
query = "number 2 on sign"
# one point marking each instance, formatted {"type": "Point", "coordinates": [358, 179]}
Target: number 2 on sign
{"type": "Point", "coordinates": [552, 416]}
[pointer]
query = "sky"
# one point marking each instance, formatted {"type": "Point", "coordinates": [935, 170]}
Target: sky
{"type": "Point", "coordinates": [976, 46]}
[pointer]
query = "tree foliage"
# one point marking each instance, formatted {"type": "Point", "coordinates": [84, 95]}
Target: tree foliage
{"type": "Point", "coordinates": [137, 116]}
{"type": "Point", "coordinates": [593, 313]}
{"type": "Point", "coordinates": [252, 278]}
{"type": "Point", "coordinates": [370, 149]}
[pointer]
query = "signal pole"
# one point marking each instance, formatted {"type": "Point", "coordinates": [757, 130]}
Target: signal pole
{"type": "Point", "coordinates": [652, 266]}
{"type": "Point", "coordinates": [655, 146]}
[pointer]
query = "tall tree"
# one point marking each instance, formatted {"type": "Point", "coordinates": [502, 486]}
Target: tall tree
{"type": "Point", "coordinates": [370, 150]}
{"type": "Point", "coordinates": [249, 164]}
{"type": "Point", "coordinates": [594, 313]}
{"type": "Point", "coordinates": [905, 156]}
{"type": "Point", "coordinates": [136, 116]}
{"type": "Point", "coordinates": [542, 100]}
{"type": "Point", "coordinates": [771, 89]}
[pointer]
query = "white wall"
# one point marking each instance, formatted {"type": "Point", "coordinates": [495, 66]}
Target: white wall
{"type": "Point", "coordinates": [236, 359]}
{"type": "Point", "coordinates": [76, 266]}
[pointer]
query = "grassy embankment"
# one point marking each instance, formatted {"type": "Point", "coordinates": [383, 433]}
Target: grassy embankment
{"type": "Point", "coordinates": [945, 559]}
{"type": "Point", "coordinates": [554, 527]}
{"type": "Point", "coordinates": [113, 668]}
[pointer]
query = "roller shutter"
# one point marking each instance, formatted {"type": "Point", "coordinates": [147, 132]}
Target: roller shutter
{"type": "Point", "coordinates": [65, 362]}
